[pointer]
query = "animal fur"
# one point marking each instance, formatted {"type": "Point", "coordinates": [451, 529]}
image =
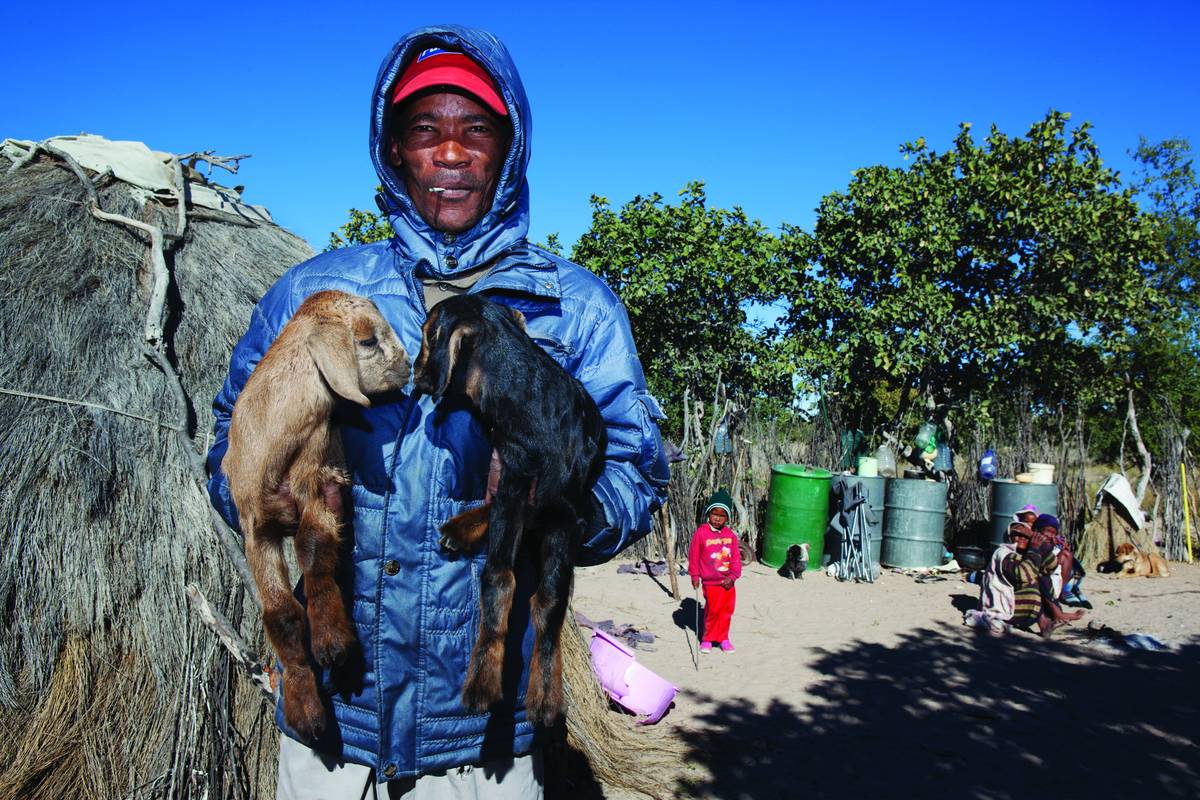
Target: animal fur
{"type": "Point", "coordinates": [1136, 564]}
{"type": "Point", "coordinates": [284, 447]}
{"type": "Point", "coordinates": [550, 439]}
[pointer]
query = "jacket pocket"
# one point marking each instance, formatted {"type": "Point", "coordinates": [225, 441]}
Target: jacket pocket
{"type": "Point", "coordinates": [370, 437]}
{"type": "Point", "coordinates": [463, 456]}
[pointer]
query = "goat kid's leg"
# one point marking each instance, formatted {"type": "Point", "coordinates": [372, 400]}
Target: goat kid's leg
{"type": "Point", "coordinates": [464, 531]}
{"type": "Point", "coordinates": [331, 633]}
{"type": "Point", "coordinates": [545, 702]}
{"type": "Point", "coordinates": [483, 687]}
{"type": "Point", "coordinates": [283, 619]}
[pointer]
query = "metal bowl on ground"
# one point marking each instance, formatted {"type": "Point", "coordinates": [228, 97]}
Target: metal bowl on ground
{"type": "Point", "coordinates": [971, 557]}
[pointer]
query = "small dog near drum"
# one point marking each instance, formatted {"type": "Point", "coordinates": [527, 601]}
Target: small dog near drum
{"type": "Point", "coordinates": [796, 562]}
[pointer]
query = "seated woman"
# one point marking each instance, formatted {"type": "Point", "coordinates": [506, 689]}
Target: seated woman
{"type": "Point", "coordinates": [1017, 589]}
{"type": "Point", "coordinates": [1067, 578]}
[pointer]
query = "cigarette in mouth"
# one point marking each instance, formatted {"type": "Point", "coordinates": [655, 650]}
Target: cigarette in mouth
{"type": "Point", "coordinates": [437, 189]}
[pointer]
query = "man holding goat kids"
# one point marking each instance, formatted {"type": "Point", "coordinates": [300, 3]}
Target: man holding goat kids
{"type": "Point", "coordinates": [450, 133]}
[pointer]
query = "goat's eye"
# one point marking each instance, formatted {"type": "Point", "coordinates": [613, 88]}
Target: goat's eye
{"type": "Point", "coordinates": [368, 342]}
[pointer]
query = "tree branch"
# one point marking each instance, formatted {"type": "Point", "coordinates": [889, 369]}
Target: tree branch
{"type": "Point", "coordinates": [153, 331]}
{"type": "Point", "coordinates": [54, 399]}
{"type": "Point", "coordinates": [1144, 480]}
{"type": "Point", "coordinates": [238, 649]}
{"type": "Point", "coordinates": [227, 163]}
{"type": "Point", "coordinates": [25, 159]}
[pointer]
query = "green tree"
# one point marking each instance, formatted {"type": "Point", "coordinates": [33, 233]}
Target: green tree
{"type": "Point", "coordinates": [687, 274]}
{"type": "Point", "coordinates": [1015, 260]}
{"type": "Point", "coordinates": [363, 227]}
{"type": "Point", "coordinates": [1166, 181]}
{"type": "Point", "coordinates": [1162, 366]}
{"type": "Point", "coordinates": [552, 244]}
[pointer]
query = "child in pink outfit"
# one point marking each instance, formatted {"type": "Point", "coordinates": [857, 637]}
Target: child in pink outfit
{"type": "Point", "coordinates": [715, 560]}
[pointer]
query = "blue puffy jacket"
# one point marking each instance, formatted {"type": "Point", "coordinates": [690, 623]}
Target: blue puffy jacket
{"type": "Point", "coordinates": [416, 607]}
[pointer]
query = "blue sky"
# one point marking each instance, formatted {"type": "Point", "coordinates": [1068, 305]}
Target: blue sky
{"type": "Point", "coordinates": [771, 104]}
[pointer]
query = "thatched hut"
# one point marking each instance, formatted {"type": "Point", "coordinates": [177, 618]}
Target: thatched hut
{"type": "Point", "coordinates": [108, 687]}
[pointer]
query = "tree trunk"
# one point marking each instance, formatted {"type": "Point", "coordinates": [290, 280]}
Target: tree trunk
{"type": "Point", "coordinates": [1144, 480]}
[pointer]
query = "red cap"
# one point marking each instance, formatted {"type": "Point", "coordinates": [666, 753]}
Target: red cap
{"type": "Point", "coordinates": [438, 67]}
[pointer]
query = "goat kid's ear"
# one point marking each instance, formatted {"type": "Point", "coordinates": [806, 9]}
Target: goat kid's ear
{"type": "Point", "coordinates": [461, 336]}
{"type": "Point", "coordinates": [332, 348]}
{"type": "Point", "coordinates": [519, 317]}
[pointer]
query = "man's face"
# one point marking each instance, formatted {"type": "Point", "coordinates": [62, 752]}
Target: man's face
{"type": "Point", "coordinates": [452, 142]}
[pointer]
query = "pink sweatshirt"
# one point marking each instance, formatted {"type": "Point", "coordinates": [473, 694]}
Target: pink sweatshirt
{"type": "Point", "coordinates": [714, 555]}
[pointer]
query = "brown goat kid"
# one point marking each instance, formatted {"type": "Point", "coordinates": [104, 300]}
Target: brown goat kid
{"type": "Point", "coordinates": [286, 470]}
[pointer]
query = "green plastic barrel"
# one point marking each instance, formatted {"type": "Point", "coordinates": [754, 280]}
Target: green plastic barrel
{"type": "Point", "coordinates": [1008, 497]}
{"type": "Point", "coordinates": [797, 512]}
{"type": "Point", "coordinates": [914, 527]}
{"type": "Point", "coordinates": [875, 487]}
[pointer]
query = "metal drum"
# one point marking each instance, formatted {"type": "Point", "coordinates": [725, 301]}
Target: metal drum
{"type": "Point", "coordinates": [1008, 497]}
{"type": "Point", "coordinates": [797, 512]}
{"type": "Point", "coordinates": [914, 529]}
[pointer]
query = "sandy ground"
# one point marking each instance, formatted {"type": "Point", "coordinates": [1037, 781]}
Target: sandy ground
{"type": "Point", "coordinates": [878, 690]}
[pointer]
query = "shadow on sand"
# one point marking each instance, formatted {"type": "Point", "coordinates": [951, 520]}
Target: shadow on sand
{"type": "Point", "coordinates": [948, 714]}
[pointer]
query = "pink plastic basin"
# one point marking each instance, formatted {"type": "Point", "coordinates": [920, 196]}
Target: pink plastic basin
{"type": "Point", "coordinates": [627, 682]}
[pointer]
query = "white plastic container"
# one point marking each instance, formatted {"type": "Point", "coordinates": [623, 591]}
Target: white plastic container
{"type": "Point", "coordinates": [885, 461]}
{"type": "Point", "coordinates": [1042, 473]}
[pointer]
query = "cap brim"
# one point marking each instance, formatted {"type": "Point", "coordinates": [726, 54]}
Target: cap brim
{"type": "Point", "coordinates": [458, 78]}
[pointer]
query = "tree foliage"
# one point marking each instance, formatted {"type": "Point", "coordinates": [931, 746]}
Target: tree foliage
{"type": "Point", "coordinates": [1162, 365]}
{"type": "Point", "coordinates": [1015, 259]}
{"type": "Point", "coordinates": [1166, 180]}
{"type": "Point", "coordinates": [363, 227]}
{"type": "Point", "coordinates": [688, 273]}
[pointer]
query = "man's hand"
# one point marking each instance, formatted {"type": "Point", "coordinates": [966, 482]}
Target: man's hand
{"type": "Point", "coordinates": [727, 583]}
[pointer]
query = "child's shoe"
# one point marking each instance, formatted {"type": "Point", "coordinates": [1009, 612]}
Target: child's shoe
{"type": "Point", "coordinates": [706, 647]}
{"type": "Point", "coordinates": [727, 646]}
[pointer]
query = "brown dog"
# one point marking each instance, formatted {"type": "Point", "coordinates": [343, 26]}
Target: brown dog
{"type": "Point", "coordinates": [1136, 564]}
{"type": "Point", "coordinates": [286, 469]}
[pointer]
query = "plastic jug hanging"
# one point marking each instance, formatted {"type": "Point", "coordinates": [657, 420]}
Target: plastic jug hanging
{"type": "Point", "coordinates": [944, 460]}
{"type": "Point", "coordinates": [722, 442]}
{"type": "Point", "coordinates": [987, 465]}
{"type": "Point", "coordinates": [886, 461]}
{"type": "Point", "coordinates": [927, 437]}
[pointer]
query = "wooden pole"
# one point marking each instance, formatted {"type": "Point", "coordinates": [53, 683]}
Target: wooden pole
{"type": "Point", "coordinates": [1187, 524]}
{"type": "Point", "coordinates": [664, 522]}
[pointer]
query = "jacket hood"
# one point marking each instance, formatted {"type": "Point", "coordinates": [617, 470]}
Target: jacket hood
{"type": "Point", "coordinates": [506, 223]}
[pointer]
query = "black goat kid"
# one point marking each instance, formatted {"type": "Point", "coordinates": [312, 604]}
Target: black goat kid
{"type": "Point", "coordinates": [549, 439]}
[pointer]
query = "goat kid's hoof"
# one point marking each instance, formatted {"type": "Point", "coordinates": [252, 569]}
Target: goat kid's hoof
{"type": "Point", "coordinates": [304, 714]}
{"type": "Point", "coordinates": [450, 543]}
{"type": "Point", "coordinates": [545, 714]}
{"type": "Point", "coordinates": [333, 649]}
{"type": "Point", "coordinates": [479, 697]}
